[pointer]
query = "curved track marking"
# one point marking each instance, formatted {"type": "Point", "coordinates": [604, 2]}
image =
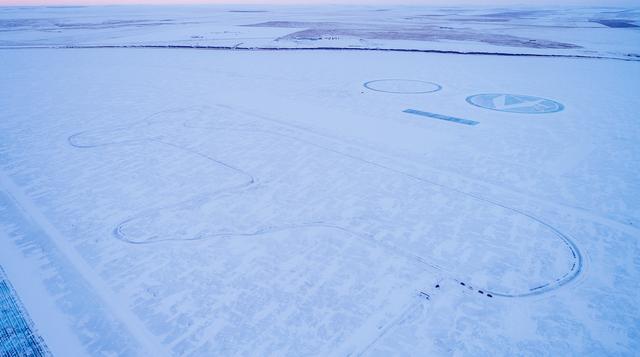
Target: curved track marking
{"type": "Point", "coordinates": [251, 181]}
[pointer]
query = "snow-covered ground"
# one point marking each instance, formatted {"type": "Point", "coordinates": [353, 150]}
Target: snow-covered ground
{"type": "Point", "coordinates": [589, 32]}
{"type": "Point", "coordinates": [169, 200]}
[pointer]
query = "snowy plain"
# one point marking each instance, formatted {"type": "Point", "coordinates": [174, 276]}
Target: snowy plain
{"type": "Point", "coordinates": [300, 181]}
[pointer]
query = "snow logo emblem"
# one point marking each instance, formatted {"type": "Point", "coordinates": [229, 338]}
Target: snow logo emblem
{"type": "Point", "coordinates": [514, 103]}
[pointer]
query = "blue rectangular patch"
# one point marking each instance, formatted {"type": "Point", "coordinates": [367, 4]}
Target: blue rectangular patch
{"type": "Point", "coordinates": [441, 117]}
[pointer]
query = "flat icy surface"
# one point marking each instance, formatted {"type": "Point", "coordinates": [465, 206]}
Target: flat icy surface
{"type": "Point", "coordinates": [193, 201]}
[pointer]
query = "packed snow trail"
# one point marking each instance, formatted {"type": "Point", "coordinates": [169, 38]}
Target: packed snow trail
{"type": "Point", "coordinates": [121, 135]}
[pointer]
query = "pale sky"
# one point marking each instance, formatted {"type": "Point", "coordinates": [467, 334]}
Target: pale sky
{"type": "Point", "coordinates": [316, 2]}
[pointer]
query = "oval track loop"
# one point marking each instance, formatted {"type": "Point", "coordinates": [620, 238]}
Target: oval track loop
{"type": "Point", "coordinates": [402, 86]}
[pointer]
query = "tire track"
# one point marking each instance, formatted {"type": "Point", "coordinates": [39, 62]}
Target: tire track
{"type": "Point", "coordinates": [250, 181]}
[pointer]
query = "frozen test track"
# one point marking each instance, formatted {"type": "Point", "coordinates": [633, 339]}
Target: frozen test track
{"type": "Point", "coordinates": [122, 136]}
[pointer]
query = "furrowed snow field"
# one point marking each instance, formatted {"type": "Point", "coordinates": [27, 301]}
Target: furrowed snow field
{"type": "Point", "coordinates": [199, 201]}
